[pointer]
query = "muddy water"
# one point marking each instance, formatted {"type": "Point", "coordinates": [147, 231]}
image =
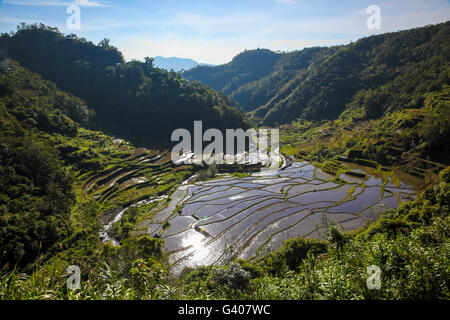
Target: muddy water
{"type": "Point", "coordinates": [215, 221]}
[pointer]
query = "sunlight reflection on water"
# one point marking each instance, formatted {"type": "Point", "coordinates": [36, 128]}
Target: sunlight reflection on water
{"type": "Point", "coordinates": [196, 242]}
{"type": "Point", "coordinates": [244, 213]}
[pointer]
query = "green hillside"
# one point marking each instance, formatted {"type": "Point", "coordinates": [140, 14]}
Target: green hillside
{"type": "Point", "coordinates": [381, 102]}
{"type": "Point", "coordinates": [57, 177]}
{"type": "Point", "coordinates": [248, 66]}
{"type": "Point", "coordinates": [374, 75]}
{"type": "Point", "coordinates": [133, 99]}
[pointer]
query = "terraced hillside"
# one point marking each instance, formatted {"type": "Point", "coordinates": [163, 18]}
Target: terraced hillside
{"type": "Point", "coordinates": [414, 141]}
{"type": "Point", "coordinates": [144, 177]}
{"type": "Point", "coordinates": [216, 221]}
{"type": "Point", "coordinates": [63, 177]}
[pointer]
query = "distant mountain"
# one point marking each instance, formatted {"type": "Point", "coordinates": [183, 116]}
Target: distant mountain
{"type": "Point", "coordinates": [248, 66]}
{"type": "Point", "coordinates": [368, 78]}
{"type": "Point", "coordinates": [177, 64]}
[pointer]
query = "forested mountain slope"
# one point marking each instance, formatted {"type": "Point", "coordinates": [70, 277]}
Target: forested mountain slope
{"type": "Point", "coordinates": [36, 191]}
{"type": "Point", "coordinates": [374, 75]}
{"type": "Point", "coordinates": [246, 67]}
{"type": "Point", "coordinates": [131, 99]}
{"type": "Point", "coordinates": [60, 182]}
{"type": "Point", "coordinates": [57, 178]}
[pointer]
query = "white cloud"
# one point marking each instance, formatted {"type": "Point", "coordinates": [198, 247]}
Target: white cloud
{"type": "Point", "coordinates": [215, 51]}
{"type": "Point", "coordinates": [54, 3]}
{"type": "Point", "coordinates": [217, 36]}
{"type": "Point", "coordinates": [285, 1]}
{"type": "Point", "coordinates": [205, 24]}
{"type": "Point", "coordinates": [13, 20]}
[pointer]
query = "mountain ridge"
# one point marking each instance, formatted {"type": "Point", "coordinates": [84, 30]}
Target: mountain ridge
{"type": "Point", "coordinates": [322, 82]}
{"type": "Point", "coordinates": [176, 64]}
{"type": "Point", "coordinates": [132, 99]}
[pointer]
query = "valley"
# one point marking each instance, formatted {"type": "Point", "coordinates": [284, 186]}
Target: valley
{"type": "Point", "coordinates": [244, 218]}
{"type": "Point", "coordinates": [87, 175]}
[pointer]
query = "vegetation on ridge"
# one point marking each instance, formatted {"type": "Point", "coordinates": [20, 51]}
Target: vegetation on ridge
{"type": "Point", "coordinates": [409, 244]}
{"type": "Point", "coordinates": [60, 181]}
{"type": "Point", "coordinates": [374, 75]}
{"type": "Point", "coordinates": [132, 99]}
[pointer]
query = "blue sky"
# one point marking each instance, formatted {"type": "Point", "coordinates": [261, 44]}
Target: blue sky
{"type": "Point", "coordinates": [213, 31]}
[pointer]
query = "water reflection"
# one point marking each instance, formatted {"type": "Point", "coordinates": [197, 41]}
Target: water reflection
{"type": "Point", "coordinates": [246, 217]}
{"type": "Point", "coordinates": [196, 241]}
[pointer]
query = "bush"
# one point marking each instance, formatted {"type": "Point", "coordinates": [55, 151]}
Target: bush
{"type": "Point", "coordinates": [255, 269]}
{"type": "Point", "coordinates": [335, 236]}
{"type": "Point", "coordinates": [292, 253]}
{"type": "Point", "coordinates": [233, 277]}
{"type": "Point", "coordinates": [143, 247]}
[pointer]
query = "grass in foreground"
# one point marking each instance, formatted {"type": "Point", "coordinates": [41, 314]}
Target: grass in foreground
{"type": "Point", "coordinates": [410, 245]}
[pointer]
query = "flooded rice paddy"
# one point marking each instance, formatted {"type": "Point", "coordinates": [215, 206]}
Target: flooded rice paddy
{"type": "Point", "coordinates": [215, 221]}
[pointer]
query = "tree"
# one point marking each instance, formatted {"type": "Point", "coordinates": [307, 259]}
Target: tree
{"type": "Point", "coordinates": [104, 43]}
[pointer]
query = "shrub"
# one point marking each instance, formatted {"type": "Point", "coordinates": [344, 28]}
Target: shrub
{"type": "Point", "coordinates": [233, 277]}
{"type": "Point", "coordinates": [292, 253]}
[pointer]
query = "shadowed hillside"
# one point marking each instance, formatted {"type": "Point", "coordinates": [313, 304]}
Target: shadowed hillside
{"type": "Point", "coordinates": [374, 75]}
{"type": "Point", "coordinates": [131, 99]}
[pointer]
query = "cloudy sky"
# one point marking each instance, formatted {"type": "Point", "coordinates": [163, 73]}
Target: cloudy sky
{"type": "Point", "coordinates": [213, 31]}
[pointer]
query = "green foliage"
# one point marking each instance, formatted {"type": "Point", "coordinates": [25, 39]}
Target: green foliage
{"type": "Point", "coordinates": [123, 228]}
{"type": "Point", "coordinates": [198, 275]}
{"type": "Point", "coordinates": [336, 237]}
{"type": "Point", "coordinates": [232, 277]}
{"type": "Point", "coordinates": [445, 175]}
{"type": "Point", "coordinates": [147, 276]}
{"type": "Point", "coordinates": [132, 99]}
{"type": "Point", "coordinates": [38, 104]}
{"type": "Point", "coordinates": [49, 219]}
{"type": "Point", "coordinates": [414, 264]}
{"type": "Point", "coordinates": [143, 247]}
{"type": "Point", "coordinates": [293, 252]}
{"type": "Point", "coordinates": [414, 139]}
{"type": "Point", "coordinates": [255, 269]}
{"type": "Point", "coordinates": [365, 79]}
{"type": "Point", "coordinates": [246, 67]}
{"type": "Point", "coordinates": [35, 199]}
{"type": "Point", "coordinates": [209, 173]}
